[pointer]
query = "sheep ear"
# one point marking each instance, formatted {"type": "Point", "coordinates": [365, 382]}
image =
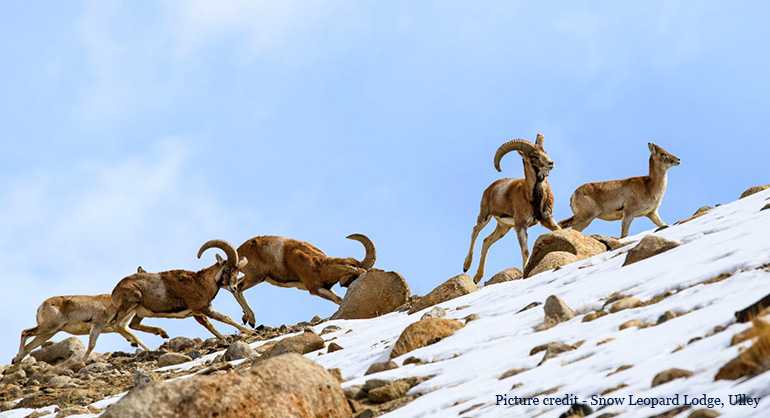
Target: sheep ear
{"type": "Point", "coordinates": [539, 139]}
{"type": "Point", "coordinates": [220, 260]}
{"type": "Point", "coordinates": [242, 262]}
{"type": "Point", "coordinates": [651, 146]}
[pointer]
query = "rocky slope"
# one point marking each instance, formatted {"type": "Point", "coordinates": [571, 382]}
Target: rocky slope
{"type": "Point", "coordinates": [647, 321]}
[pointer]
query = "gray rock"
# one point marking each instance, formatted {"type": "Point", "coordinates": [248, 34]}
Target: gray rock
{"type": "Point", "coordinates": [557, 310]}
{"type": "Point", "coordinates": [172, 359]}
{"type": "Point", "coordinates": [649, 246]}
{"type": "Point", "coordinates": [374, 293]}
{"type": "Point", "coordinates": [56, 353]}
{"type": "Point", "coordinates": [238, 350]}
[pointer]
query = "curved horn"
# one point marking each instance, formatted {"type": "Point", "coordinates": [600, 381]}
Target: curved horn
{"type": "Point", "coordinates": [371, 252]}
{"type": "Point", "coordinates": [232, 254]}
{"type": "Point", "coordinates": [513, 145]}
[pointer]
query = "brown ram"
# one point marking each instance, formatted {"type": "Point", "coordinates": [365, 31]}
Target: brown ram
{"type": "Point", "coordinates": [515, 203]}
{"type": "Point", "coordinates": [286, 262]}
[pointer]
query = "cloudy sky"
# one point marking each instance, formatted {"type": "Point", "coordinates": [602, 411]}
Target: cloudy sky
{"type": "Point", "coordinates": [132, 133]}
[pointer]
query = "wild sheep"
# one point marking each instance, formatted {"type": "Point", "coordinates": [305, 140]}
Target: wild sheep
{"type": "Point", "coordinates": [180, 293]}
{"type": "Point", "coordinates": [79, 315]}
{"type": "Point", "coordinates": [516, 203]}
{"type": "Point", "coordinates": [624, 199]}
{"type": "Point", "coordinates": [286, 262]}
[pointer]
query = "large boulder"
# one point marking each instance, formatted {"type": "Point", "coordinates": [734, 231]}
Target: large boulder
{"type": "Point", "coordinates": [566, 240]}
{"type": "Point", "coordinates": [455, 287]}
{"type": "Point", "coordinates": [423, 333]}
{"type": "Point", "coordinates": [552, 261]}
{"type": "Point", "coordinates": [649, 246]}
{"type": "Point", "coordinates": [172, 359]}
{"type": "Point", "coordinates": [753, 190]}
{"type": "Point", "coordinates": [303, 343]}
{"type": "Point", "coordinates": [506, 275]}
{"type": "Point", "coordinates": [374, 293]}
{"type": "Point", "coordinates": [56, 353]}
{"type": "Point", "coordinates": [284, 386]}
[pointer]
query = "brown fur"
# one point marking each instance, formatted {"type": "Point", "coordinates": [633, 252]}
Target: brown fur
{"type": "Point", "coordinates": [178, 293]}
{"type": "Point", "coordinates": [624, 199]}
{"type": "Point", "coordinates": [516, 203]}
{"type": "Point", "coordinates": [286, 262]}
{"type": "Point", "coordinates": [78, 315]}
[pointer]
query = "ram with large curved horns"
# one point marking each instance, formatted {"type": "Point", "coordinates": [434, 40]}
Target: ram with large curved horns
{"type": "Point", "coordinates": [287, 262]}
{"type": "Point", "coordinates": [516, 203]}
{"type": "Point", "coordinates": [180, 293]}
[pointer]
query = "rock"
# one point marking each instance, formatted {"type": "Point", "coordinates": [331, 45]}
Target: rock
{"type": "Point", "coordinates": [330, 329]}
{"type": "Point", "coordinates": [667, 316]}
{"type": "Point", "coordinates": [704, 413]}
{"type": "Point", "coordinates": [553, 349]}
{"type": "Point", "coordinates": [557, 310]}
{"type": "Point", "coordinates": [93, 368]}
{"type": "Point", "coordinates": [697, 214]}
{"type": "Point", "coordinates": [373, 384]}
{"type": "Point", "coordinates": [593, 315]}
{"type": "Point", "coordinates": [435, 312]}
{"type": "Point", "coordinates": [179, 344]}
{"type": "Point", "coordinates": [374, 293]}
{"type": "Point", "coordinates": [577, 410]}
{"type": "Point", "coordinates": [60, 352]}
{"type": "Point", "coordinates": [413, 360]}
{"type": "Point", "coordinates": [471, 317]}
{"type": "Point", "coordinates": [424, 332]}
{"type": "Point", "coordinates": [669, 375]}
{"type": "Point", "coordinates": [753, 190]}
{"type": "Point", "coordinates": [649, 246]}
{"type": "Point", "coordinates": [511, 373]}
{"type": "Point", "coordinates": [381, 367]}
{"type": "Point", "coordinates": [506, 275]}
{"type": "Point", "coordinates": [172, 359]}
{"type": "Point", "coordinates": [552, 261]}
{"type": "Point", "coordinates": [631, 323]}
{"type": "Point", "coordinates": [337, 373]}
{"type": "Point", "coordinates": [141, 378]}
{"type": "Point", "coordinates": [303, 343]}
{"type": "Point", "coordinates": [766, 207]}
{"type": "Point", "coordinates": [333, 347]}
{"type": "Point", "coordinates": [610, 243]}
{"type": "Point", "coordinates": [563, 240]}
{"type": "Point", "coordinates": [628, 302]}
{"type": "Point", "coordinates": [59, 381]}
{"type": "Point", "coordinates": [283, 386]}
{"type": "Point", "coordinates": [238, 350]}
{"type": "Point", "coordinates": [14, 377]}
{"type": "Point", "coordinates": [389, 392]}
{"type": "Point", "coordinates": [455, 287]}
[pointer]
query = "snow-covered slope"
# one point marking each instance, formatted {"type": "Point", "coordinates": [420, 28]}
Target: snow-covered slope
{"type": "Point", "coordinates": [733, 238]}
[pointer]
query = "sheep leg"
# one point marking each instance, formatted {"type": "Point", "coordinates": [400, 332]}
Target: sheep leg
{"type": "Point", "coordinates": [93, 335]}
{"type": "Point", "coordinates": [498, 233]}
{"type": "Point", "coordinates": [655, 218]}
{"type": "Point", "coordinates": [227, 320]}
{"type": "Point", "coordinates": [39, 340]}
{"type": "Point", "coordinates": [550, 223]}
{"type": "Point", "coordinates": [130, 337]}
{"type": "Point", "coordinates": [328, 295]}
{"type": "Point", "coordinates": [205, 322]}
{"type": "Point", "coordinates": [627, 219]}
{"type": "Point", "coordinates": [480, 224]}
{"type": "Point", "coordinates": [521, 234]}
{"type": "Point", "coordinates": [136, 323]}
{"type": "Point", "coordinates": [25, 334]}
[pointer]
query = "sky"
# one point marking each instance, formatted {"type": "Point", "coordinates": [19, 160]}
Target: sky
{"type": "Point", "coordinates": [133, 132]}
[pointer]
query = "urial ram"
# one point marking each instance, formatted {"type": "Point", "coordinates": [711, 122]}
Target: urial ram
{"type": "Point", "coordinates": [516, 203]}
{"type": "Point", "coordinates": [287, 262]}
{"type": "Point", "coordinates": [79, 315]}
{"type": "Point", "coordinates": [180, 293]}
{"type": "Point", "coordinates": [624, 199]}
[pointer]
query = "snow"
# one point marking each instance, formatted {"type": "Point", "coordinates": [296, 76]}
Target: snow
{"type": "Point", "coordinates": [732, 238]}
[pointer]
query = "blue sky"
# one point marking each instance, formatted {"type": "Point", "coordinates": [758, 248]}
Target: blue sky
{"type": "Point", "coordinates": [132, 133]}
